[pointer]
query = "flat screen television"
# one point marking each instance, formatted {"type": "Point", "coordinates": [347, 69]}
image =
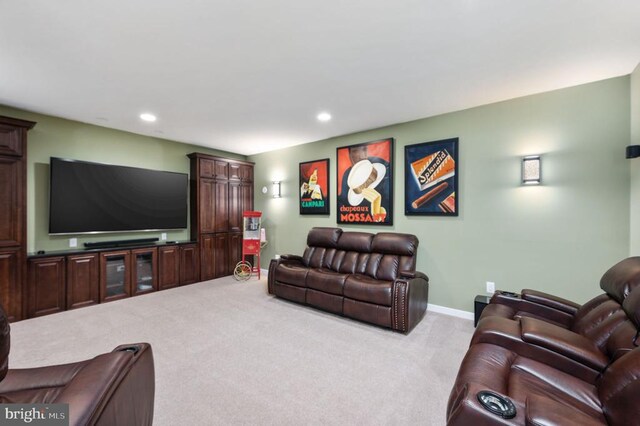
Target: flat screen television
{"type": "Point", "coordinates": [87, 197]}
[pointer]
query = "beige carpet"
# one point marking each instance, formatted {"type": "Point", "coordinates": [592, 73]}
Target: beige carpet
{"type": "Point", "coordinates": [226, 352]}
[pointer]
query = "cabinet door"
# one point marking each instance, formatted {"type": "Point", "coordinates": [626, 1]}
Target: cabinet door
{"type": "Point", "coordinates": [207, 167]}
{"type": "Point", "coordinates": [235, 171]}
{"type": "Point", "coordinates": [12, 201]}
{"type": "Point", "coordinates": [221, 248]}
{"type": "Point", "coordinates": [189, 264]}
{"type": "Point", "coordinates": [115, 275]}
{"type": "Point", "coordinates": [11, 138]}
{"type": "Point", "coordinates": [235, 207]}
{"type": "Point", "coordinates": [144, 271]}
{"type": "Point", "coordinates": [11, 268]}
{"type": "Point", "coordinates": [246, 194]}
{"type": "Point", "coordinates": [207, 205]}
{"type": "Point", "coordinates": [45, 291]}
{"type": "Point", "coordinates": [83, 286]}
{"type": "Point", "coordinates": [246, 173]}
{"type": "Point", "coordinates": [221, 215]}
{"type": "Point", "coordinates": [235, 250]}
{"type": "Point", "coordinates": [207, 253]}
{"type": "Point", "coordinates": [222, 170]}
{"type": "Point", "coordinates": [169, 266]}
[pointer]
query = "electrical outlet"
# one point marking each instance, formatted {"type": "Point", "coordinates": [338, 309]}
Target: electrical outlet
{"type": "Point", "coordinates": [491, 287]}
{"type": "Point", "coordinates": [73, 242]}
{"type": "Point", "coordinates": [277, 256]}
{"type": "Point", "coordinates": [163, 236]}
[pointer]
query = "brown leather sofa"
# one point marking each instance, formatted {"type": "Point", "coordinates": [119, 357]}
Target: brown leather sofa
{"type": "Point", "coordinates": [115, 388]}
{"type": "Point", "coordinates": [617, 283]}
{"type": "Point", "coordinates": [587, 375]}
{"type": "Point", "coordinates": [368, 277]}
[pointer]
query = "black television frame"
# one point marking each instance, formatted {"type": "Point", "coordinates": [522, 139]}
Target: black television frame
{"type": "Point", "coordinates": [124, 230]}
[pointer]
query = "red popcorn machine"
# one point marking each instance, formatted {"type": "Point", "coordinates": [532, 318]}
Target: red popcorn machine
{"type": "Point", "coordinates": [253, 239]}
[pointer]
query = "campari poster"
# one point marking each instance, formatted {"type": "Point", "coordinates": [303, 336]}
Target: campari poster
{"type": "Point", "coordinates": [365, 183]}
{"type": "Point", "coordinates": [314, 187]}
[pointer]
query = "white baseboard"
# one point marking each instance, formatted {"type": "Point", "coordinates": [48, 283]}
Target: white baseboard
{"type": "Point", "coordinates": [450, 311]}
{"type": "Point", "coordinates": [264, 272]}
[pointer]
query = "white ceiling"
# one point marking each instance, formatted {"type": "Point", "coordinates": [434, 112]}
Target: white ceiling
{"type": "Point", "coordinates": [251, 76]}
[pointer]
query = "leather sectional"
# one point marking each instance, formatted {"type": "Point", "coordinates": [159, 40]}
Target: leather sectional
{"type": "Point", "coordinates": [364, 276]}
{"type": "Point", "coordinates": [116, 388]}
{"type": "Point", "coordinates": [537, 359]}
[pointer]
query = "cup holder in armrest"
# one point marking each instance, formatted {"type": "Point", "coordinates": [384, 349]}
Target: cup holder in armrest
{"type": "Point", "coordinates": [133, 349]}
{"type": "Point", "coordinates": [497, 404]}
{"type": "Point", "coordinates": [509, 294]}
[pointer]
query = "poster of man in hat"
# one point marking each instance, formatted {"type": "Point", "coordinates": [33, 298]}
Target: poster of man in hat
{"type": "Point", "coordinates": [365, 183]}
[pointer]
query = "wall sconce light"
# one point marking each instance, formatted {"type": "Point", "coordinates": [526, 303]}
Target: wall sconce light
{"type": "Point", "coordinates": [276, 189]}
{"type": "Point", "coordinates": [531, 166]}
{"type": "Point", "coordinates": [633, 151]}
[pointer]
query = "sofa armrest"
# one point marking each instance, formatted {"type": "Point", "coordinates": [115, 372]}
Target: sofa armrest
{"type": "Point", "coordinates": [507, 333]}
{"type": "Point", "coordinates": [409, 300]}
{"type": "Point", "coordinates": [293, 257]}
{"type": "Point", "coordinates": [551, 301]}
{"type": "Point", "coordinates": [464, 408]}
{"type": "Point", "coordinates": [273, 265]}
{"type": "Point", "coordinates": [522, 307]}
{"type": "Point", "coordinates": [546, 411]}
{"type": "Point", "coordinates": [563, 341]}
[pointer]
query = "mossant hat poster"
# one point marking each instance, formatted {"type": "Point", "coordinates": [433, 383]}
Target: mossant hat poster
{"type": "Point", "coordinates": [365, 183]}
{"type": "Point", "coordinates": [431, 178]}
{"type": "Point", "coordinates": [314, 187]}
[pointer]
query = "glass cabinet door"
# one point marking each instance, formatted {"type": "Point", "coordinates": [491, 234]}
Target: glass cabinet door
{"type": "Point", "coordinates": [115, 275]}
{"type": "Point", "coordinates": [144, 270]}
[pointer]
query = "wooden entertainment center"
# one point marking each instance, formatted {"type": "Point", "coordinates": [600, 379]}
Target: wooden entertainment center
{"type": "Point", "coordinates": [45, 283]}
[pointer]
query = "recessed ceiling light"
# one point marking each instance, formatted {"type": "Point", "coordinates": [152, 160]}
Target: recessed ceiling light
{"type": "Point", "coordinates": [148, 117]}
{"type": "Point", "coordinates": [324, 116]}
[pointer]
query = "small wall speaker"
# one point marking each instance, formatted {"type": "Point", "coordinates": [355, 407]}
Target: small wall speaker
{"type": "Point", "coordinates": [633, 151]}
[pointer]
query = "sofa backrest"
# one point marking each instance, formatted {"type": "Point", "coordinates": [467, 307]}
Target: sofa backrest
{"type": "Point", "coordinates": [598, 318]}
{"type": "Point", "coordinates": [381, 256]}
{"type": "Point", "coordinates": [5, 343]}
{"type": "Point", "coordinates": [619, 386]}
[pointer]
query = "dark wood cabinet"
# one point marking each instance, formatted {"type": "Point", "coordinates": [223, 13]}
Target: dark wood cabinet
{"type": "Point", "coordinates": [46, 286]}
{"type": "Point", "coordinates": [169, 266]}
{"type": "Point", "coordinates": [207, 198]}
{"type": "Point", "coordinates": [235, 250]}
{"type": "Point", "coordinates": [83, 286]}
{"type": "Point", "coordinates": [221, 254]}
{"type": "Point", "coordinates": [189, 264]}
{"type": "Point", "coordinates": [207, 260]}
{"type": "Point", "coordinates": [222, 189]}
{"type": "Point", "coordinates": [13, 212]}
{"type": "Point", "coordinates": [11, 272]}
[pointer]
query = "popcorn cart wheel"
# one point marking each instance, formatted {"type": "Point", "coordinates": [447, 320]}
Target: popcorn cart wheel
{"type": "Point", "coordinates": [242, 271]}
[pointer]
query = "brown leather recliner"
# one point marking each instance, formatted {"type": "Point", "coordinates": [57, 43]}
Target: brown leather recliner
{"type": "Point", "coordinates": [116, 388]}
{"type": "Point", "coordinates": [368, 277]}
{"type": "Point", "coordinates": [540, 390]}
{"type": "Point", "coordinates": [617, 283]}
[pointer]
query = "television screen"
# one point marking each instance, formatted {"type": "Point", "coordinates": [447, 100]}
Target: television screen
{"type": "Point", "coordinates": [89, 197]}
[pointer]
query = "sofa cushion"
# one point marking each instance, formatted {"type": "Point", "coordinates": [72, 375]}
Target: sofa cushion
{"type": "Point", "coordinates": [367, 289]}
{"type": "Point", "coordinates": [324, 237]}
{"type": "Point", "coordinates": [621, 278]}
{"type": "Point", "coordinates": [326, 280]}
{"type": "Point", "coordinates": [292, 274]}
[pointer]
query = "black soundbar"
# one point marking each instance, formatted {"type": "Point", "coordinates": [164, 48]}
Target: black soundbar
{"type": "Point", "coordinates": [120, 243]}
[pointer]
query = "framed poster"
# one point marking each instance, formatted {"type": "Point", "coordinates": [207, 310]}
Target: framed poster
{"type": "Point", "coordinates": [365, 183]}
{"type": "Point", "coordinates": [314, 187]}
{"type": "Point", "coordinates": [431, 178]}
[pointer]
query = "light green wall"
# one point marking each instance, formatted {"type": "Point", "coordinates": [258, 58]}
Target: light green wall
{"type": "Point", "coordinates": [558, 237]}
{"type": "Point", "coordinates": [634, 213]}
{"type": "Point", "coordinates": [56, 137]}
